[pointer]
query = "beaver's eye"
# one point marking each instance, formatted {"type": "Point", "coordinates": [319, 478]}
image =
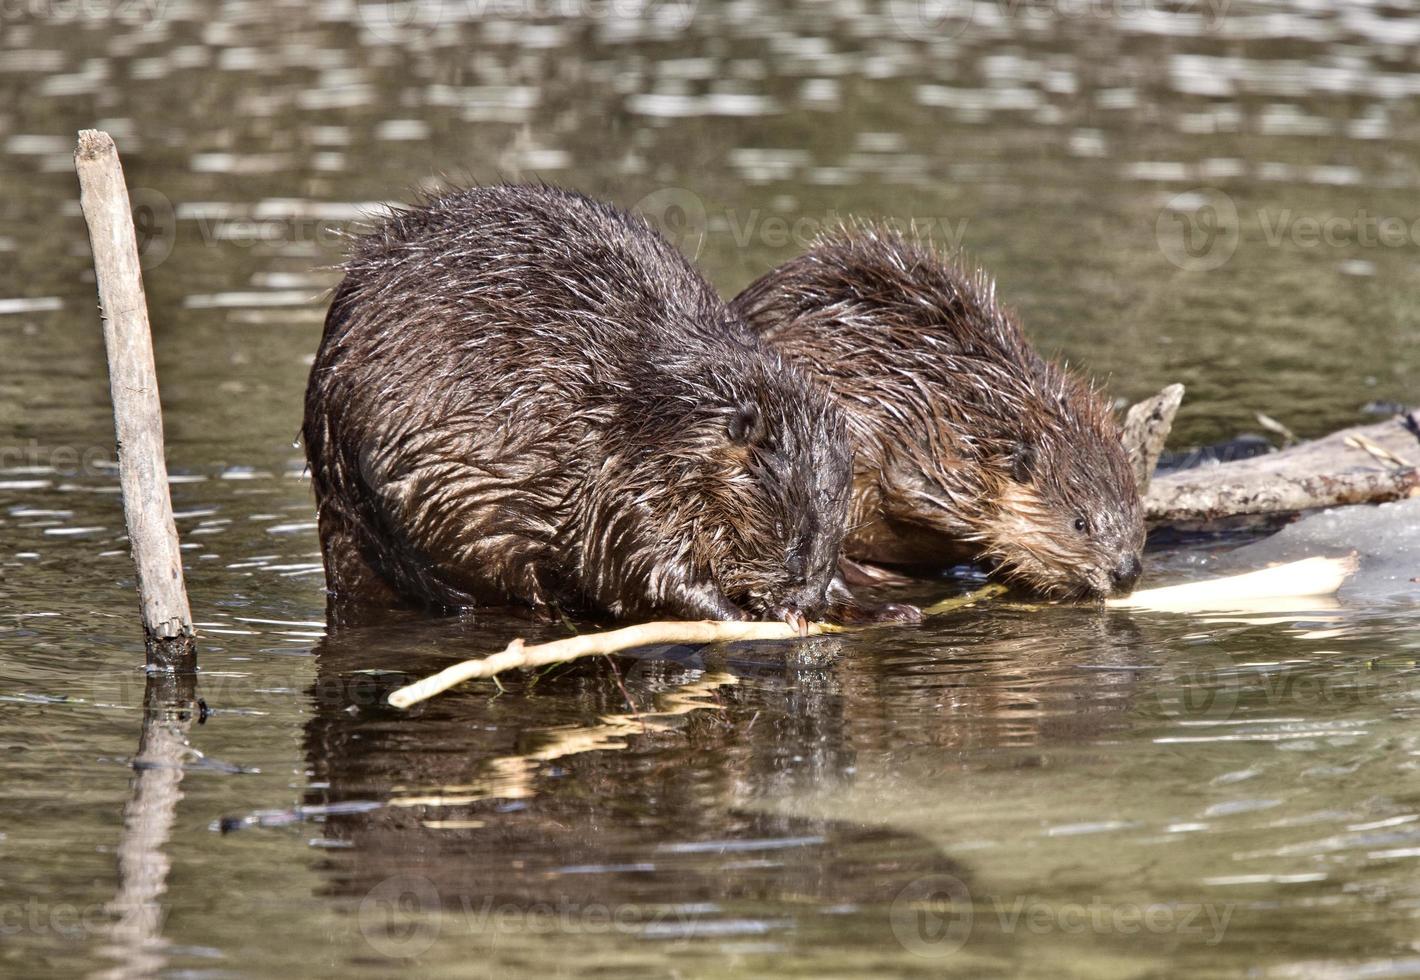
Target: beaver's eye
{"type": "Point", "coordinates": [1081, 525]}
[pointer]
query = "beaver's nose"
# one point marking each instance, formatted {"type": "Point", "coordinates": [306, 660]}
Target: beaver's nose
{"type": "Point", "coordinates": [1125, 574]}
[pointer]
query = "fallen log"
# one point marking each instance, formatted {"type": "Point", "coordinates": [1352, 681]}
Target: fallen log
{"type": "Point", "coordinates": [1359, 465]}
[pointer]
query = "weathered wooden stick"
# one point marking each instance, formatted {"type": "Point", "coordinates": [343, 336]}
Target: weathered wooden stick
{"type": "Point", "coordinates": [1146, 429]}
{"type": "Point", "coordinates": [137, 414]}
{"type": "Point", "coordinates": [1325, 472]}
{"type": "Point", "coordinates": [589, 645]}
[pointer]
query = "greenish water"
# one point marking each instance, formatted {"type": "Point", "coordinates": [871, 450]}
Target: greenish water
{"type": "Point", "coordinates": [1223, 197]}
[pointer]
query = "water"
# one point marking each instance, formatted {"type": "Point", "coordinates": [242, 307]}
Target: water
{"type": "Point", "coordinates": [1215, 195]}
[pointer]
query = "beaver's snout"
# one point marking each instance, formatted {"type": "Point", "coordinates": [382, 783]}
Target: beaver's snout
{"type": "Point", "coordinates": [1123, 576]}
{"type": "Point", "coordinates": [799, 605]}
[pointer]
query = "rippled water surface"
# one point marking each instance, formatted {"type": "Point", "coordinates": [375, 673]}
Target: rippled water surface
{"type": "Point", "coordinates": [1219, 194]}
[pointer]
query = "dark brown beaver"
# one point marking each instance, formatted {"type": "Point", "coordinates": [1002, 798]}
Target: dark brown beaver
{"type": "Point", "coordinates": [524, 396]}
{"type": "Point", "coordinates": [970, 446]}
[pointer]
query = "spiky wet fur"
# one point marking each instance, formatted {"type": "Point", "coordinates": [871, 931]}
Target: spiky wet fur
{"type": "Point", "coordinates": [525, 396]}
{"type": "Point", "coordinates": [969, 445]}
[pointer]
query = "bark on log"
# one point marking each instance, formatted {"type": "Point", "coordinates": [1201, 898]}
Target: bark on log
{"type": "Point", "coordinates": [1146, 429]}
{"type": "Point", "coordinates": [1325, 472]}
{"type": "Point", "coordinates": [137, 414]}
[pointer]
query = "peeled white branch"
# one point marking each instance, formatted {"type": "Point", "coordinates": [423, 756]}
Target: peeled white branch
{"type": "Point", "coordinates": [589, 645]}
{"type": "Point", "coordinates": [1305, 579]}
{"type": "Point", "coordinates": [1302, 579]}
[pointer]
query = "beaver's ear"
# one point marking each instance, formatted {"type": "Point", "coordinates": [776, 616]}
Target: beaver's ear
{"type": "Point", "coordinates": [746, 425]}
{"type": "Point", "coordinates": [1023, 463]}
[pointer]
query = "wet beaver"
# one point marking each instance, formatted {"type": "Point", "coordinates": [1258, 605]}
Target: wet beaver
{"type": "Point", "coordinates": [970, 446]}
{"type": "Point", "coordinates": [527, 397]}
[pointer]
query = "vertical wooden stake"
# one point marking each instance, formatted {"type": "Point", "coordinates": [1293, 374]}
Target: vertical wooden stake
{"type": "Point", "coordinates": [137, 414]}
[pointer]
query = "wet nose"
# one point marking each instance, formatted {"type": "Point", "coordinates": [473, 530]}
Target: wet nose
{"type": "Point", "coordinates": [1125, 574]}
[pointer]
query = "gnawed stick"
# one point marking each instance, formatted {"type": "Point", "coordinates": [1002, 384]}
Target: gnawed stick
{"type": "Point", "coordinates": [1304, 579]}
{"type": "Point", "coordinates": [590, 645]}
{"type": "Point", "coordinates": [1299, 579]}
{"type": "Point", "coordinates": [137, 413]}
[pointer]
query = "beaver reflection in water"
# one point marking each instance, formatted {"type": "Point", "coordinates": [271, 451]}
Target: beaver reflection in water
{"type": "Point", "coordinates": [524, 396]}
{"type": "Point", "coordinates": [970, 446]}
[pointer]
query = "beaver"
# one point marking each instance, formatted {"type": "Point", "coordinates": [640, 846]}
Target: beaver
{"type": "Point", "coordinates": [524, 397]}
{"type": "Point", "coordinates": [970, 445]}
